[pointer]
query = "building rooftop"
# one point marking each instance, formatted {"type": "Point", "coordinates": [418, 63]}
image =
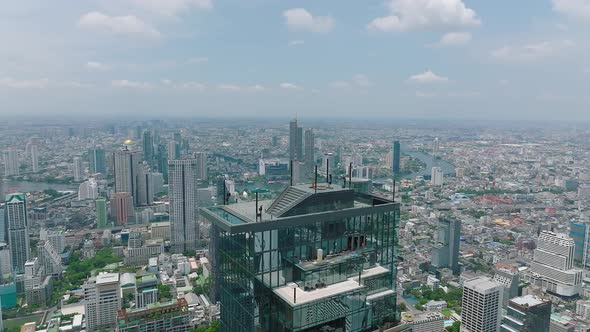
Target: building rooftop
{"type": "Point", "coordinates": [482, 284]}
{"type": "Point", "coordinates": [527, 300]}
{"type": "Point", "coordinates": [286, 292]}
{"type": "Point", "coordinates": [107, 278]}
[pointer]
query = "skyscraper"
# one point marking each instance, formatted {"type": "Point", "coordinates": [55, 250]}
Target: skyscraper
{"type": "Point", "coordinates": [446, 250]}
{"type": "Point", "coordinates": [323, 258]}
{"type": "Point", "coordinates": [435, 146]}
{"type": "Point", "coordinates": [396, 157]}
{"type": "Point", "coordinates": [78, 169]}
{"type": "Point", "coordinates": [122, 208]}
{"type": "Point", "coordinates": [183, 195]}
{"type": "Point", "coordinates": [102, 301]}
{"type": "Point", "coordinates": [436, 177]}
{"type": "Point", "coordinates": [148, 147]}
{"type": "Point", "coordinates": [481, 306]}
{"type": "Point", "coordinates": [34, 158]}
{"type": "Point", "coordinates": [101, 213]}
{"type": "Point", "coordinates": [18, 231]}
{"type": "Point", "coordinates": [580, 233]}
{"type": "Point", "coordinates": [202, 173]}
{"type": "Point", "coordinates": [11, 164]}
{"type": "Point", "coordinates": [3, 224]}
{"type": "Point", "coordinates": [144, 193]}
{"type": "Point", "coordinates": [527, 314]}
{"type": "Point", "coordinates": [162, 161]}
{"type": "Point", "coordinates": [126, 164]}
{"type": "Point", "coordinates": [552, 266]}
{"type": "Point", "coordinates": [173, 150]}
{"type": "Point", "coordinates": [309, 150]}
{"type": "Point", "coordinates": [295, 141]}
{"type": "Point", "coordinates": [97, 160]}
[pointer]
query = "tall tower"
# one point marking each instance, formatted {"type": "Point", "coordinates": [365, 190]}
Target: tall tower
{"type": "Point", "coordinates": [396, 157]}
{"type": "Point", "coordinates": [436, 176]}
{"type": "Point", "coordinates": [435, 146]}
{"type": "Point", "coordinates": [78, 169]}
{"type": "Point", "coordinates": [144, 194]}
{"type": "Point", "coordinates": [148, 147]}
{"type": "Point", "coordinates": [18, 231]}
{"type": "Point", "coordinates": [309, 150]}
{"type": "Point", "coordinates": [183, 194]}
{"type": "Point", "coordinates": [295, 141]}
{"type": "Point", "coordinates": [527, 314]}
{"type": "Point", "coordinates": [552, 266]}
{"type": "Point", "coordinates": [482, 306]}
{"type": "Point", "coordinates": [201, 165]}
{"type": "Point", "coordinates": [34, 158]}
{"type": "Point", "coordinates": [125, 170]}
{"type": "Point", "coordinates": [101, 213]}
{"type": "Point", "coordinates": [97, 160]}
{"type": "Point", "coordinates": [446, 251]}
{"type": "Point", "coordinates": [11, 165]}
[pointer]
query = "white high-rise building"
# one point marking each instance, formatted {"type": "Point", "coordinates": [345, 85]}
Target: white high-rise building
{"type": "Point", "coordinates": [78, 169]}
{"type": "Point", "coordinates": [11, 165]}
{"type": "Point", "coordinates": [552, 266]}
{"type": "Point", "coordinates": [183, 195]}
{"type": "Point", "coordinates": [482, 305]}
{"type": "Point", "coordinates": [5, 261]}
{"type": "Point", "coordinates": [145, 190]}
{"type": "Point", "coordinates": [103, 300]}
{"type": "Point", "coordinates": [436, 177]}
{"type": "Point", "coordinates": [56, 237]}
{"type": "Point", "coordinates": [435, 146]}
{"type": "Point", "coordinates": [126, 164]}
{"type": "Point", "coordinates": [34, 158]}
{"type": "Point", "coordinates": [88, 190]}
{"type": "Point", "coordinates": [18, 231]}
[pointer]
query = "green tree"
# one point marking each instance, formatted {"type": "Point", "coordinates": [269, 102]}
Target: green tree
{"type": "Point", "coordinates": [456, 327]}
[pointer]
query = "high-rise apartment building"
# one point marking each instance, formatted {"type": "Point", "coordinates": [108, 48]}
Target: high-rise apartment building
{"type": "Point", "coordinates": [97, 160]}
{"type": "Point", "coordinates": [34, 158]}
{"type": "Point", "coordinates": [3, 224]}
{"type": "Point", "coordinates": [435, 146]}
{"type": "Point", "coordinates": [11, 164]}
{"type": "Point", "coordinates": [101, 213]}
{"type": "Point", "coordinates": [148, 147]}
{"type": "Point", "coordinates": [436, 177]}
{"type": "Point", "coordinates": [173, 150]}
{"type": "Point", "coordinates": [183, 195]}
{"type": "Point", "coordinates": [78, 169]}
{"type": "Point", "coordinates": [580, 233]}
{"type": "Point", "coordinates": [122, 208]}
{"type": "Point", "coordinates": [126, 164]}
{"type": "Point", "coordinates": [166, 316]}
{"type": "Point", "coordinates": [552, 266]}
{"type": "Point", "coordinates": [295, 141]}
{"type": "Point", "coordinates": [445, 253]}
{"type": "Point", "coordinates": [481, 306]}
{"type": "Point", "coordinates": [396, 157]}
{"type": "Point", "coordinates": [18, 231]}
{"type": "Point", "coordinates": [527, 314]}
{"type": "Point", "coordinates": [102, 301]}
{"type": "Point", "coordinates": [144, 194]}
{"type": "Point", "coordinates": [318, 258]}
{"type": "Point", "coordinates": [309, 151]}
{"type": "Point", "coordinates": [5, 260]}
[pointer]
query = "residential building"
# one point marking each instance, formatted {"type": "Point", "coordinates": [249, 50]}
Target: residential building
{"type": "Point", "coordinates": [18, 230]}
{"type": "Point", "coordinates": [173, 316]}
{"type": "Point", "coordinates": [396, 157]}
{"type": "Point", "coordinates": [88, 190]}
{"type": "Point", "coordinates": [126, 164]}
{"type": "Point", "coordinates": [552, 266]}
{"type": "Point", "coordinates": [11, 163]}
{"type": "Point", "coordinates": [510, 280]}
{"type": "Point", "coordinates": [295, 141]}
{"type": "Point", "coordinates": [102, 301]}
{"type": "Point", "coordinates": [202, 173]}
{"type": "Point", "coordinates": [34, 158]}
{"type": "Point", "coordinates": [310, 161]}
{"type": "Point", "coordinates": [78, 169]}
{"type": "Point", "coordinates": [527, 314]}
{"type": "Point", "coordinates": [481, 306]}
{"type": "Point", "coordinates": [436, 177]}
{"type": "Point", "coordinates": [183, 195]}
{"type": "Point", "coordinates": [428, 322]}
{"type": "Point", "coordinates": [101, 213]}
{"type": "Point", "coordinates": [122, 208]}
{"type": "Point", "coordinates": [97, 160]}
{"type": "Point", "coordinates": [316, 258]}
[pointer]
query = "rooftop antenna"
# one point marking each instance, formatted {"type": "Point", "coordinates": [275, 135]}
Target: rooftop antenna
{"type": "Point", "coordinates": [315, 182]}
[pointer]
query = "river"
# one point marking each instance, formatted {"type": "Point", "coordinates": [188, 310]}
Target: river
{"type": "Point", "coordinates": [447, 168]}
{"type": "Point", "coordinates": [10, 186]}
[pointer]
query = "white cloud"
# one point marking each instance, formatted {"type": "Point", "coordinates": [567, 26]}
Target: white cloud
{"type": "Point", "coordinates": [427, 77]}
{"type": "Point", "coordinates": [167, 82]}
{"type": "Point", "coordinates": [407, 15]}
{"type": "Point", "coordinates": [340, 85]}
{"type": "Point", "coordinates": [358, 80]}
{"type": "Point", "coordinates": [573, 8]}
{"type": "Point", "coordinates": [229, 87]}
{"type": "Point", "coordinates": [296, 42]}
{"type": "Point", "coordinates": [530, 52]}
{"type": "Point", "coordinates": [127, 25]}
{"type": "Point", "coordinates": [198, 60]}
{"type": "Point", "coordinates": [361, 80]}
{"type": "Point", "coordinates": [173, 7]}
{"type": "Point", "coordinates": [256, 88]}
{"type": "Point", "coordinates": [288, 86]}
{"type": "Point", "coordinates": [301, 19]}
{"type": "Point", "coordinates": [130, 84]}
{"type": "Point", "coordinates": [454, 39]}
{"type": "Point", "coordinates": [97, 66]}
{"type": "Point", "coordinates": [192, 86]}
{"type": "Point", "coordinates": [24, 84]}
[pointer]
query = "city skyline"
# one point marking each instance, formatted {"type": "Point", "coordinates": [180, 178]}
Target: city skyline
{"type": "Point", "coordinates": [463, 60]}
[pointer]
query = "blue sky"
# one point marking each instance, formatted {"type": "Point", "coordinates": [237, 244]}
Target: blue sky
{"type": "Point", "coordinates": [474, 59]}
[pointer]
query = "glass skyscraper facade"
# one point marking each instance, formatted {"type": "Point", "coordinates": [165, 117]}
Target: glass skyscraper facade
{"type": "Point", "coordinates": [314, 259]}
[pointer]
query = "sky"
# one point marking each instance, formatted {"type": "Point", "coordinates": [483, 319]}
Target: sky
{"type": "Point", "coordinates": [423, 59]}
